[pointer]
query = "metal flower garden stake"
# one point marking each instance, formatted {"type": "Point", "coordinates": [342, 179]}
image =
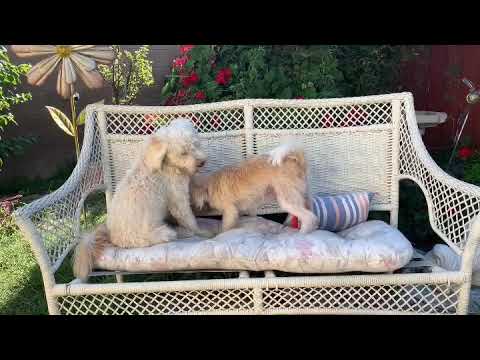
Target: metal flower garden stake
{"type": "Point", "coordinates": [72, 60]}
{"type": "Point", "coordinates": [472, 98]}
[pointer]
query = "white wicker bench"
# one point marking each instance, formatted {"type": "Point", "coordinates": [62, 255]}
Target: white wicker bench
{"type": "Point", "coordinates": [364, 143]}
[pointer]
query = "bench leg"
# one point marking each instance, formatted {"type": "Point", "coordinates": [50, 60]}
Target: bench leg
{"type": "Point", "coordinates": [119, 278]}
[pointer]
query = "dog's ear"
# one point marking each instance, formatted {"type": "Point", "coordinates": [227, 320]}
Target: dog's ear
{"type": "Point", "coordinates": [155, 153]}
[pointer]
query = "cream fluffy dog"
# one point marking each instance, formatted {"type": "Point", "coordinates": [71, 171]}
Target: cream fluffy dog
{"type": "Point", "coordinates": [280, 175]}
{"type": "Point", "coordinates": [156, 186]}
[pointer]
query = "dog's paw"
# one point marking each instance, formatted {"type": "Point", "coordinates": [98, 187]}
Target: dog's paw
{"type": "Point", "coordinates": [164, 234]}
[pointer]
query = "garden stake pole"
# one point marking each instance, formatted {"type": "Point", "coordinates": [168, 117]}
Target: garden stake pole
{"type": "Point", "coordinates": [74, 121]}
{"type": "Point", "coordinates": [458, 135]}
{"type": "Point", "coordinates": [75, 137]}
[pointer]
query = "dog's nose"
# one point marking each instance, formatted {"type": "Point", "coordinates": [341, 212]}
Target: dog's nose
{"type": "Point", "coordinates": [201, 163]}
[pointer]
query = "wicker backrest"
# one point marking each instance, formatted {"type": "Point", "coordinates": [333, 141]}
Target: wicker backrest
{"type": "Point", "coordinates": [349, 144]}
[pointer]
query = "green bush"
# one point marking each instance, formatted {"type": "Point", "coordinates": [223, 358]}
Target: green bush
{"type": "Point", "coordinates": [10, 78]}
{"type": "Point", "coordinates": [129, 73]}
{"type": "Point", "coordinates": [207, 73]}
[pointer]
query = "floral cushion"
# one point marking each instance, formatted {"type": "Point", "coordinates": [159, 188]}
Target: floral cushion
{"type": "Point", "coordinates": [259, 245]}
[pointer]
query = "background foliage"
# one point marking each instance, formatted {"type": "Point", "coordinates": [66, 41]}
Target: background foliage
{"type": "Point", "coordinates": [207, 73]}
{"type": "Point", "coordinates": [129, 73]}
{"type": "Point", "coordinates": [10, 78]}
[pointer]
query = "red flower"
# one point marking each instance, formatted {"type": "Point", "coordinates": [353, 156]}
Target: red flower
{"type": "Point", "coordinates": [465, 152]}
{"type": "Point", "coordinates": [224, 76]}
{"type": "Point", "coordinates": [181, 93]}
{"type": "Point", "coordinates": [200, 95]}
{"type": "Point", "coordinates": [190, 80]}
{"type": "Point", "coordinates": [185, 48]}
{"type": "Point", "coordinates": [299, 97]}
{"type": "Point", "coordinates": [180, 62]}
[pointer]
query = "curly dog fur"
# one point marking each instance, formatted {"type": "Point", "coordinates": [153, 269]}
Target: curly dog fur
{"type": "Point", "coordinates": [156, 186]}
{"type": "Point", "coordinates": [279, 175]}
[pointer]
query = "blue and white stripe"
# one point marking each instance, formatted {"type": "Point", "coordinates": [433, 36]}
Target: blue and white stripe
{"type": "Point", "coordinates": [336, 213]}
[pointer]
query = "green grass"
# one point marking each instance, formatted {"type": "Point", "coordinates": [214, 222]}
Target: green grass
{"type": "Point", "coordinates": [20, 278]}
{"type": "Point", "coordinates": [21, 284]}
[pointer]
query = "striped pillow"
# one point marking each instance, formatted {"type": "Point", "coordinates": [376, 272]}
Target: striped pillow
{"type": "Point", "coordinates": [339, 212]}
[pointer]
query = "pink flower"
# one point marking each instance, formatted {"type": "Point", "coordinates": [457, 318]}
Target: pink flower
{"type": "Point", "coordinates": [190, 80]}
{"type": "Point", "coordinates": [224, 76]}
{"type": "Point", "coordinates": [185, 48]}
{"type": "Point", "coordinates": [299, 97]}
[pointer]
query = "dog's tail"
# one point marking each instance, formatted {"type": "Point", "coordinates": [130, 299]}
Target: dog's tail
{"type": "Point", "coordinates": [289, 149]}
{"type": "Point", "coordinates": [89, 245]}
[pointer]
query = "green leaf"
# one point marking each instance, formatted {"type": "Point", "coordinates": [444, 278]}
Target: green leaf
{"type": "Point", "coordinates": [82, 115]}
{"type": "Point", "coordinates": [286, 93]}
{"type": "Point", "coordinates": [61, 120]}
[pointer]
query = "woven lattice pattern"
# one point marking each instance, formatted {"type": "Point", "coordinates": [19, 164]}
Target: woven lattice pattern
{"type": "Point", "coordinates": [332, 160]}
{"type": "Point", "coordinates": [338, 155]}
{"type": "Point", "coordinates": [56, 216]}
{"type": "Point", "coordinates": [126, 130]}
{"type": "Point", "coordinates": [430, 299]}
{"type": "Point", "coordinates": [123, 151]}
{"type": "Point", "coordinates": [177, 302]}
{"type": "Point", "coordinates": [141, 123]}
{"type": "Point", "coordinates": [322, 117]}
{"type": "Point", "coordinates": [422, 298]}
{"type": "Point", "coordinates": [454, 203]}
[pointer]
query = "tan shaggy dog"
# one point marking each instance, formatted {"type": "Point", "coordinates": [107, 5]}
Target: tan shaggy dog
{"type": "Point", "coordinates": [157, 186]}
{"type": "Point", "coordinates": [279, 175]}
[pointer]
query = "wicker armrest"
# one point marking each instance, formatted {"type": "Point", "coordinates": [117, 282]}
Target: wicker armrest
{"type": "Point", "coordinates": [52, 223]}
{"type": "Point", "coordinates": [453, 205]}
